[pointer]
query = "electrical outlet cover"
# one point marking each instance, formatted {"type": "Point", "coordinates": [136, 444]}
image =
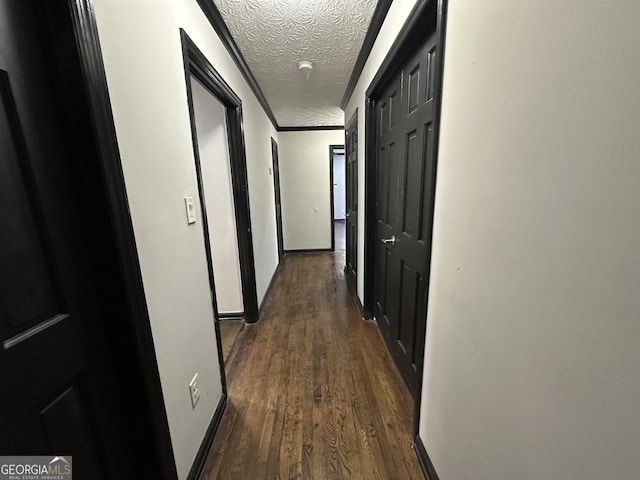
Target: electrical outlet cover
{"type": "Point", "coordinates": [194, 391]}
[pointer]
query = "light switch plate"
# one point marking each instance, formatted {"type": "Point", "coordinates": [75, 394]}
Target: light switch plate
{"type": "Point", "coordinates": [191, 210]}
{"type": "Point", "coordinates": [194, 391]}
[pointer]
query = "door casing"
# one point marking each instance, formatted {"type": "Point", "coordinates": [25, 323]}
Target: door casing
{"type": "Point", "coordinates": [197, 65]}
{"type": "Point", "coordinates": [351, 214]}
{"type": "Point", "coordinates": [278, 197]}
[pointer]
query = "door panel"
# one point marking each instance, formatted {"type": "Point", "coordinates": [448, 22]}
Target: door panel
{"type": "Point", "coordinates": [67, 423]}
{"type": "Point", "coordinates": [404, 178]}
{"type": "Point", "coordinates": [61, 388]}
{"type": "Point", "coordinates": [24, 256]}
{"type": "Point", "coordinates": [351, 182]}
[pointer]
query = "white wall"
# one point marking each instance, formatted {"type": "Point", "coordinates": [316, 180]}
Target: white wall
{"type": "Point", "coordinates": [531, 362]}
{"type": "Point", "coordinates": [339, 187]}
{"type": "Point", "coordinates": [305, 187]}
{"type": "Point", "coordinates": [397, 15]}
{"type": "Point", "coordinates": [144, 67]}
{"type": "Point", "coordinates": [533, 354]}
{"type": "Point", "coordinates": [213, 150]}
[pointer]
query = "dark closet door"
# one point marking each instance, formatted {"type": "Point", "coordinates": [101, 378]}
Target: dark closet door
{"type": "Point", "coordinates": [61, 393]}
{"type": "Point", "coordinates": [276, 190]}
{"type": "Point", "coordinates": [351, 182]}
{"type": "Point", "coordinates": [404, 170]}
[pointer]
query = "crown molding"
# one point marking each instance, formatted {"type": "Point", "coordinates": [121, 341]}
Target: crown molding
{"type": "Point", "coordinates": [311, 128]}
{"type": "Point", "coordinates": [217, 22]}
{"type": "Point", "coordinates": [379, 14]}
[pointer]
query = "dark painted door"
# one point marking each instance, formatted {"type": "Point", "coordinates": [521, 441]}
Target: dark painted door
{"type": "Point", "coordinates": [61, 393]}
{"type": "Point", "coordinates": [351, 182]}
{"type": "Point", "coordinates": [404, 171]}
{"type": "Point", "coordinates": [276, 190]}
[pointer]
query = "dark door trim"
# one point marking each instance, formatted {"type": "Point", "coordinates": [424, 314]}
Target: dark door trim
{"type": "Point", "coordinates": [422, 14]}
{"type": "Point", "coordinates": [352, 274]}
{"type": "Point", "coordinates": [275, 161]}
{"type": "Point", "coordinates": [91, 87]}
{"type": "Point", "coordinates": [196, 64]}
{"type": "Point", "coordinates": [332, 199]}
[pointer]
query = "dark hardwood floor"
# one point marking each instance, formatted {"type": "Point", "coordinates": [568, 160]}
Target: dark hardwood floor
{"type": "Point", "coordinates": [313, 392]}
{"type": "Point", "coordinates": [340, 235]}
{"type": "Point", "coordinates": [229, 331]}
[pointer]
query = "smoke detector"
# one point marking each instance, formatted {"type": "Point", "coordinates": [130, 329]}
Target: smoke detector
{"type": "Point", "coordinates": [305, 66]}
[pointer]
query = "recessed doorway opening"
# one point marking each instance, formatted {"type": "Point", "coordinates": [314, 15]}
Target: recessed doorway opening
{"type": "Point", "coordinates": [338, 197]}
{"type": "Point", "coordinates": [211, 127]}
{"type": "Point", "coordinates": [221, 169]}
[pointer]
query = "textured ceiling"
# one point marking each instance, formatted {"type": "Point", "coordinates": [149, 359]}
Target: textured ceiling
{"type": "Point", "coordinates": [274, 35]}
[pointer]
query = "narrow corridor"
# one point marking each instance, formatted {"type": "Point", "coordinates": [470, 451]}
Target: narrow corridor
{"type": "Point", "coordinates": [313, 392]}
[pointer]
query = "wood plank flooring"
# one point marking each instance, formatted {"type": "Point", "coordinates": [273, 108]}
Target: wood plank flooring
{"type": "Point", "coordinates": [229, 332]}
{"type": "Point", "coordinates": [313, 392]}
{"type": "Point", "coordinates": [340, 229]}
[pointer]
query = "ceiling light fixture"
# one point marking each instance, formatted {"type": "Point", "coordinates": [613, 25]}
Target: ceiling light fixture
{"type": "Point", "coordinates": [305, 66]}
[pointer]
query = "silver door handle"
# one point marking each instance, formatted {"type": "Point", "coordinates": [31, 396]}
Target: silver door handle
{"type": "Point", "coordinates": [346, 215]}
{"type": "Point", "coordinates": [391, 240]}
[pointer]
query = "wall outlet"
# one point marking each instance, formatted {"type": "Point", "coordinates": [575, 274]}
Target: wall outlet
{"type": "Point", "coordinates": [194, 391]}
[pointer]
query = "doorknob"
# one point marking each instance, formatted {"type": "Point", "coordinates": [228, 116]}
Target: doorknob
{"type": "Point", "coordinates": [391, 240]}
{"type": "Point", "coordinates": [347, 214]}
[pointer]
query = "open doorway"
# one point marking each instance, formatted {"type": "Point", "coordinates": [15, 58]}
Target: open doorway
{"type": "Point", "coordinates": [220, 160]}
{"type": "Point", "coordinates": [338, 197]}
{"type": "Point", "coordinates": [211, 128]}
{"type": "Point", "coordinates": [217, 198]}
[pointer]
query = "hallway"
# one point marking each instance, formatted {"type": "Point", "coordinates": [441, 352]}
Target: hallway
{"type": "Point", "coordinates": [313, 392]}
